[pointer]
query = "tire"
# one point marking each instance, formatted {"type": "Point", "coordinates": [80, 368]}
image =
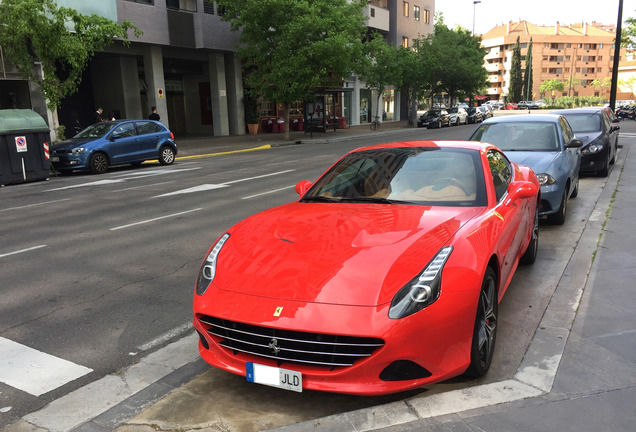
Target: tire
{"type": "Point", "coordinates": [439, 124]}
{"type": "Point", "coordinates": [530, 255]}
{"type": "Point", "coordinates": [558, 218]}
{"type": "Point", "coordinates": [575, 192]}
{"type": "Point", "coordinates": [613, 160]}
{"type": "Point", "coordinates": [98, 163]}
{"type": "Point", "coordinates": [485, 329]}
{"type": "Point", "coordinates": [166, 155]}
{"type": "Point", "coordinates": [604, 172]}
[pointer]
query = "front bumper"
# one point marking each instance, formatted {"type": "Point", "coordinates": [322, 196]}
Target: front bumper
{"type": "Point", "coordinates": [436, 339]}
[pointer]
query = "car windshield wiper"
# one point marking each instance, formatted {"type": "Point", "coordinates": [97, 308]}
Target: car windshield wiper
{"type": "Point", "coordinates": [378, 200]}
{"type": "Point", "coordinates": [320, 198]}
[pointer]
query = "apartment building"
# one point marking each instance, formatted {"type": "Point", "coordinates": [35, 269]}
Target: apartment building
{"type": "Point", "coordinates": [576, 54]}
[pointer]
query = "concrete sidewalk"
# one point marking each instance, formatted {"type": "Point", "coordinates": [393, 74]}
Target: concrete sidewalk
{"type": "Point", "coordinates": [578, 374]}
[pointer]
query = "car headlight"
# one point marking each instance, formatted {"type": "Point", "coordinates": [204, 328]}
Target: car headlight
{"type": "Point", "coordinates": [208, 268]}
{"type": "Point", "coordinates": [423, 290]}
{"type": "Point", "coordinates": [545, 179]}
{"type": "Point", "coordinates": [78, 150]}
{"type": "Point", "coordinates": [592, 148]}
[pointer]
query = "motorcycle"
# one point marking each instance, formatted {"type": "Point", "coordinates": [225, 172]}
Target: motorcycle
{"type": "Point", "coordinates": [626, 113]}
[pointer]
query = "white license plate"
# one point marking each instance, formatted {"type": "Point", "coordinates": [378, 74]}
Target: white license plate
{"type": "Point", "coordinates": [275, 377]}
{"type": "Point", "coordinates": [55, 159]}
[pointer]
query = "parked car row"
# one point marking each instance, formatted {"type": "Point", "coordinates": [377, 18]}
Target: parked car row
{"type": "Point", "coordinates": [559, 147]}
{"type": "Point", "coordinates": [437, 118]}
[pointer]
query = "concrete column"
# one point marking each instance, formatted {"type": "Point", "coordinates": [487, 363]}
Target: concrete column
{"type": "Point", "coordinates": [235, 95]}
{"type": "Point", "coordinates": [153, 69]}
{"type": "Point", "coordinates": [130, 89]}
{"type": "Point", "coordinates": [218, 94]}
{"type": "Point", "coordinates": [355, 103]}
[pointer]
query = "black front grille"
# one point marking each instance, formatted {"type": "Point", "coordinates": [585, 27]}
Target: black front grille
{"type": "Point", "coordinates": [291, 346]}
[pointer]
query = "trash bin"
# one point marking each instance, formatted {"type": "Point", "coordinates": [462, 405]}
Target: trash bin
{"type": "Point", "coordinates": [24, 147]}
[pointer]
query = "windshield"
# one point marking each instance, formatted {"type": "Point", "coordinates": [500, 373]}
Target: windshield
{"type": "Point", "coordinates": [584, 122]}
{"type": "Point", "coordinates": [522, 136]}
{"type": "Point", "coordinates": [418, 175]}
{"type": "Point", "coordinates": [453, 110]}
{"type": "Point", "coordinates": [97, 130]}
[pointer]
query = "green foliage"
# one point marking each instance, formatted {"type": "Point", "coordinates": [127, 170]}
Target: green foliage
{"type": "Point", "coordinates": [290, 47]}
{"type": "Point", "coordinates": [550, 85]}
{"type": "Point", "coordinates": [577, 101]}
{"type": "Point", "coordinates": [379, 67]}
{"type": "Point", "coordinates": [600, 84]}
{"type": "Point", "coordinates": [515, 86]}
{"type": "Point", "coordinates": [629, 83]}
{"type": "Point", "coordinates": [628, 34]}
{"type": "Point", "coordinates": [61, 39]}
{"type": "Point", "coordinates": [457, 61]}
{"type": "Point", "coordinates": [527, 76]}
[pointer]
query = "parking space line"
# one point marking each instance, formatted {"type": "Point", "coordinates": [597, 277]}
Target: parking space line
{"type": "Point", "coordinates": [154, 219]}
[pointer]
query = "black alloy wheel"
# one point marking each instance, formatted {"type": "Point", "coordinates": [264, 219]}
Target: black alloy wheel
{"type": "Point", "coordinates": [485, 330]}
{"type": "Point", "coordinates": [98, 163]}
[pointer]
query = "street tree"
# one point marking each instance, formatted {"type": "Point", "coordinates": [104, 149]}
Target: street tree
{"type": "Point", "coordinates": [515, 86]}
{"type": "Point", "coordinates": [290, 48]}
{"type": "Point", "coordinates": [415, 69]}
{"type": "Point", "coordinates": [527, 76]}
{"type": "Point", "coordinates": [379, 67]}
{"type": "Point", "coordinates": [602, 84]}
{"type": "Point", "coordinates": [467, 76]}
{"type": "Point", "coordinates": [551, 86]}
{"type": "Point", "coordinates": [59, 39]}
{"type": "Point", "coordinates": [630, 83]}
{"type": "Point", "coordinates": [571, 83]}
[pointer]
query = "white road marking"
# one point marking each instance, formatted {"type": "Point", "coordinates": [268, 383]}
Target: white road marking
{"type": "Point", "coordinates": [268, 192]}
{"type": "Point", "coordinates": [166, 336]}
{"type": "Point", "coordinates": [259, 177]}
{"type": "Point", "coordinates": [155, 219]}
{"type": "Point", "coordinates": [144, 186]}
{"type": "Point", "coordinates": [22, 251]}
{"type": "Point", "coordinates": [206, 187]}
{"type": "Point", "coordinates": [200, 188]}
{"type": "Point", "coordinates": [33, 371]}
{"type": "Point", "coordinates": [34, 205]}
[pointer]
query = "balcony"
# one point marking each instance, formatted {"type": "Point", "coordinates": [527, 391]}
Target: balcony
{"type": "Point", "coordinates": [378, 18]}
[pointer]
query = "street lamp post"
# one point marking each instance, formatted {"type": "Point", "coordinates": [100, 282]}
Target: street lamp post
{"type": "Point", "coordinates": [474, 5]}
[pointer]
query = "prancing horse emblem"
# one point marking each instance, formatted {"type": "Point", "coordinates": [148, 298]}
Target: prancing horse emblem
{"type": "Point", "coordinates": [278, 311]}
{"type": "Point", "coordinates": [273, 345]}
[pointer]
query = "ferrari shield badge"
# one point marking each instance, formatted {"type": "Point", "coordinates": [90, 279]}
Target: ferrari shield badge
{"type": "Point", "coordinates": [278, 311]}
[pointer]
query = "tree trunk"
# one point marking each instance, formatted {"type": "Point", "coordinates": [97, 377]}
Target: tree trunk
{"type": "Point", "coordinates": [286, 120]}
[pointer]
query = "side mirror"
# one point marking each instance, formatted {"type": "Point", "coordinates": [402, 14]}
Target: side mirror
{"type": "Point", "coordinates": [302, 187]}
{"type": "Point", "coordinates": [521, 190]}
{"type": "Point", "coordinates": [574, 143]}
{"type": "Point", "coordinates": [614, 128]}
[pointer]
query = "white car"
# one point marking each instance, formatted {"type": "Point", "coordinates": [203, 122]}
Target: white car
{"type": "Point", "coordinates": [458, 115]}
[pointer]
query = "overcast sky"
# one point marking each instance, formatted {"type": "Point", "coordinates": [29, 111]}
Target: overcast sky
{"type": "Point", "coordinates": [490, 13]}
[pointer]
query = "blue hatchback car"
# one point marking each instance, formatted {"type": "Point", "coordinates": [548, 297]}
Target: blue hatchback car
{"type": "Point", "coordinates": [115, 143]}
{"type": "Point", "coordinates": [545, 143]}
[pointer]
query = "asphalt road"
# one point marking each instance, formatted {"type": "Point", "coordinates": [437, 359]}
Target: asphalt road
{"type": "Point", "coordinates": [99, 270]}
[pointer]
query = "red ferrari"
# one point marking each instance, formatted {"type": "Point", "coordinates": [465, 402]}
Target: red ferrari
{"type": "Point", "coordinates": [384, 276]}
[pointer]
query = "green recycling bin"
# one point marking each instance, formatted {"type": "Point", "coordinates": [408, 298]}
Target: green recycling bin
{"type": "Point", "coordinates": [24, 147]}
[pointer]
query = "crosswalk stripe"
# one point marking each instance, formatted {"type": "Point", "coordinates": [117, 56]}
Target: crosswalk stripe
{"type": "Point", "coordinates": [33, 371]}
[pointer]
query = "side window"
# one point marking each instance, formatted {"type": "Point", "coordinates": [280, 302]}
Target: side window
{"type": "Point", "coordinates": [606, 121]}
{"type": "Point", "coordinates": [144, 127]}
{"type": "Point", "coordinates": [566, 131]}
{"type": "Point", "coordinates": [125, 130]}
{"type": "Point", "coordinates": [501, 172]}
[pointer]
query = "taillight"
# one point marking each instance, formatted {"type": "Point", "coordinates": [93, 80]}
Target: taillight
{"type": "Point", "coordinates": [172, 136]}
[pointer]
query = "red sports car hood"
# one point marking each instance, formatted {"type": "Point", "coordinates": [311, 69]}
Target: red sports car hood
{"type": "Point", "coordinates": [352, 254]}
